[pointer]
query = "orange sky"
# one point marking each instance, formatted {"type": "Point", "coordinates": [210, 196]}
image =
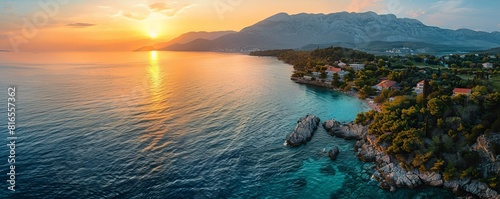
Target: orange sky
{"type": "Point", "coordinates": [64, 25]}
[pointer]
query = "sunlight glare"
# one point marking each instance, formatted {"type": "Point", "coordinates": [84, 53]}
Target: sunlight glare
{"type": "Point", "coordinates": [153, 34]}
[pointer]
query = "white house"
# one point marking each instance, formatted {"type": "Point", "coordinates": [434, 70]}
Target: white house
{"type": "Point", "coordinates": [488, 65]}
{"type": "Point", "coordinates": [357, 67]}
{"type": "Point", "coordinates": [332, 70]}
{"type": "Point", "coordinates": [419, 88]}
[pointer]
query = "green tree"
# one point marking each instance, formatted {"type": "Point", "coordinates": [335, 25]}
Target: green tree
{"type": "Point", "coordinates": [336, 80]}
{"type": "Point", "coordinates": [365, 92]}
{"type": "Point", "coordinates": [323, 75]}
{"type": "Point", "coordinates": [435, 106]}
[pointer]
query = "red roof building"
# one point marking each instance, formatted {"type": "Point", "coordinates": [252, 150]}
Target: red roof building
{"type": "Point", "coordinates": [462, 91]}
{"type": "Point", "coordinates": [334, 70]}
{"type": "Point", "coordinates": [385, 84]}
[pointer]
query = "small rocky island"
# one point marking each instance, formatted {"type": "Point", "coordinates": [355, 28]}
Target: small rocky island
{"type": "Point", "coordinates": [303, 131]}
{"type": "Point", "coordinates": [333, 153]}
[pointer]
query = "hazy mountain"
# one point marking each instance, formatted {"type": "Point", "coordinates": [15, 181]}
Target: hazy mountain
{"type": "Point", "coordinates": [185, 38]}
{"type": "Point", "coordinates": [493, 51]}
{"type": "Point", "coordinates": [145, 48]}
{"type": "Point", "coordinates": [359, 30]}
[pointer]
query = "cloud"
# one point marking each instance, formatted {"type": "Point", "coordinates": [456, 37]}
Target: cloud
{"type": "Point", "coordinates": [169, 8]}
{"type": "Point", "coordinates": [135, 15]}
{"type": "Point", "coordinates": [450, 7]}
{"type": "Point", "coordinates": [416, 13]}
{"type": "Point", "coordinates": [143, 11]}
{"type": "Point", "coordinates": [362, 5]}
{"type": "Point", "coordinates": [8, 6]}
{"type": "Point", "coordinates": [158, 7]}
{"type": "Point", "coordinates": [80, 25]}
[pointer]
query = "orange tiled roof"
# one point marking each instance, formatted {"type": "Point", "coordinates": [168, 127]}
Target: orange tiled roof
{"type": "Point", "coordinates": [386, 84]}
{"type": "Point", "coordinates": [462, 90]}
{"type": "Point", "coordinates": [335, 70]}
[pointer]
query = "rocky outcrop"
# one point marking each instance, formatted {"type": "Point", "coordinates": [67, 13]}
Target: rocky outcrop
{"type": "Point", "coordinates": [347, 131]}
{"type": "Point", "coordinates": [395, 175]}
{"type": "Point", "coordinates": [480, 189]}
{"type": "Point", "coordinates": [303, 131]}
{"type": "Point", "coordinates": [485, 145]}
{"type": "Point", "coordinates": [391, 175]}
{"type": "Point", "coordinates": [367, 153]}
{"type": "Point", "coordinates": [488, 147]}
{"type": "Point", "coordinates": [333, 153]}
{"type": "Point", "coordinates": [431, 178]}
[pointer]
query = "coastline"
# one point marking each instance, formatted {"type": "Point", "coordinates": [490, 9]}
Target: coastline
{"type": "Point", "coordinates": [387, 170]}
{"type": "Point", "coordinates": [369, 102]}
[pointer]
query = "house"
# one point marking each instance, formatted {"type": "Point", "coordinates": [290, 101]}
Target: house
{"type": "Point", "coordinates": [341, 64]}
{"type": "Point", "coordinates": [419, 88]}
{"type": "Point", "coordinates": [357, 67]}
{"type": "Point", "coordinates": [492, 57]}
{"type": "Point", "coordinates": [385, 84]}
{"type": "Point", "coordinates": [462, 91]}
{"type": "Point", "coordinates": [487, 65]}
{"type": "Point", "coordinates": [316, 74]}
{"type": "Point", "coordinates": [332, 70]}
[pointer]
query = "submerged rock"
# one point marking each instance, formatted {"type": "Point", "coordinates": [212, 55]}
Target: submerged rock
{"type": "Point", "coordinates": [301, 182]}
{"type": "Point", "coordinates": [333, 153]}
{"type": "Point", "coordinates": [328, 170]}
{"type": "Point", "coordinates": [303, 131]}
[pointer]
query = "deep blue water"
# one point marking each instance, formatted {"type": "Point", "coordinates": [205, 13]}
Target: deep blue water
{"type": "Point", "coordinates": [175, 125]}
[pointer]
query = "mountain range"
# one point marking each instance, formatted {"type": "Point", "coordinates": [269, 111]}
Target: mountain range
{"type": "Point", "coordinates": [186, 38]}
{"type": "Point", "coordinates": [364, 31]}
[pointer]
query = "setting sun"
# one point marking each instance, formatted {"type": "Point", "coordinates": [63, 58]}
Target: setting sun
{"type": "Point", "coordinates": [153, 34]}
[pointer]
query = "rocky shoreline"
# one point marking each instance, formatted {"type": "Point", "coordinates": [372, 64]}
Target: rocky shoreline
{"type": "Point", "coordinates": [391, 175]}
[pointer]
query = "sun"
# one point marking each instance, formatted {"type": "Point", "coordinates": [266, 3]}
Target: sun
{"type": "Point", "coordinates": [153, 34]}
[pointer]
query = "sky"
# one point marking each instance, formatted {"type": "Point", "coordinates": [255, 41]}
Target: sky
{"type": "Point", "coordinates": [65, 25]}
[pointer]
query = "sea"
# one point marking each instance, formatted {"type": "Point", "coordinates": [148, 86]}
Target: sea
{"type": "Point", "coordinates": [174, 125]}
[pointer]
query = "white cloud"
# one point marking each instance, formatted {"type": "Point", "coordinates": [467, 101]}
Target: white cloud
{"type": "Point", "coordinates": [362, 5]}
{"type": "Point", "coordinates": [450, 7]}
{"type": "Point", "coordinates": [169, 8]}
{"type": "Point", "coordinates": [143, 11]}
{"type": "Point", "coordinates": [416, 13]}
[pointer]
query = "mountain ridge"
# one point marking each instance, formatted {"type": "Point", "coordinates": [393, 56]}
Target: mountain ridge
{"type": "Point", "coordinates": [282, 30]}
{"type": "Point", "coordinates": [186, 38]}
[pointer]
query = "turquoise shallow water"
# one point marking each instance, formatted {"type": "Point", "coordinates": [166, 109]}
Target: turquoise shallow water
{"type": "Point", "coordinates": [176, 125]}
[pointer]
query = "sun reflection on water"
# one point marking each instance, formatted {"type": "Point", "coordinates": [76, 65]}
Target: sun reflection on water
{"type": "Point", "coordinates": [156, 129]}
{"type": "Point", "coordinates": [154, 72]}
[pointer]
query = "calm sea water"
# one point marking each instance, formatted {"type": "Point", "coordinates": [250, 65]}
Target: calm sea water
{"type": "Point", "coordinates": [174, 125]}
